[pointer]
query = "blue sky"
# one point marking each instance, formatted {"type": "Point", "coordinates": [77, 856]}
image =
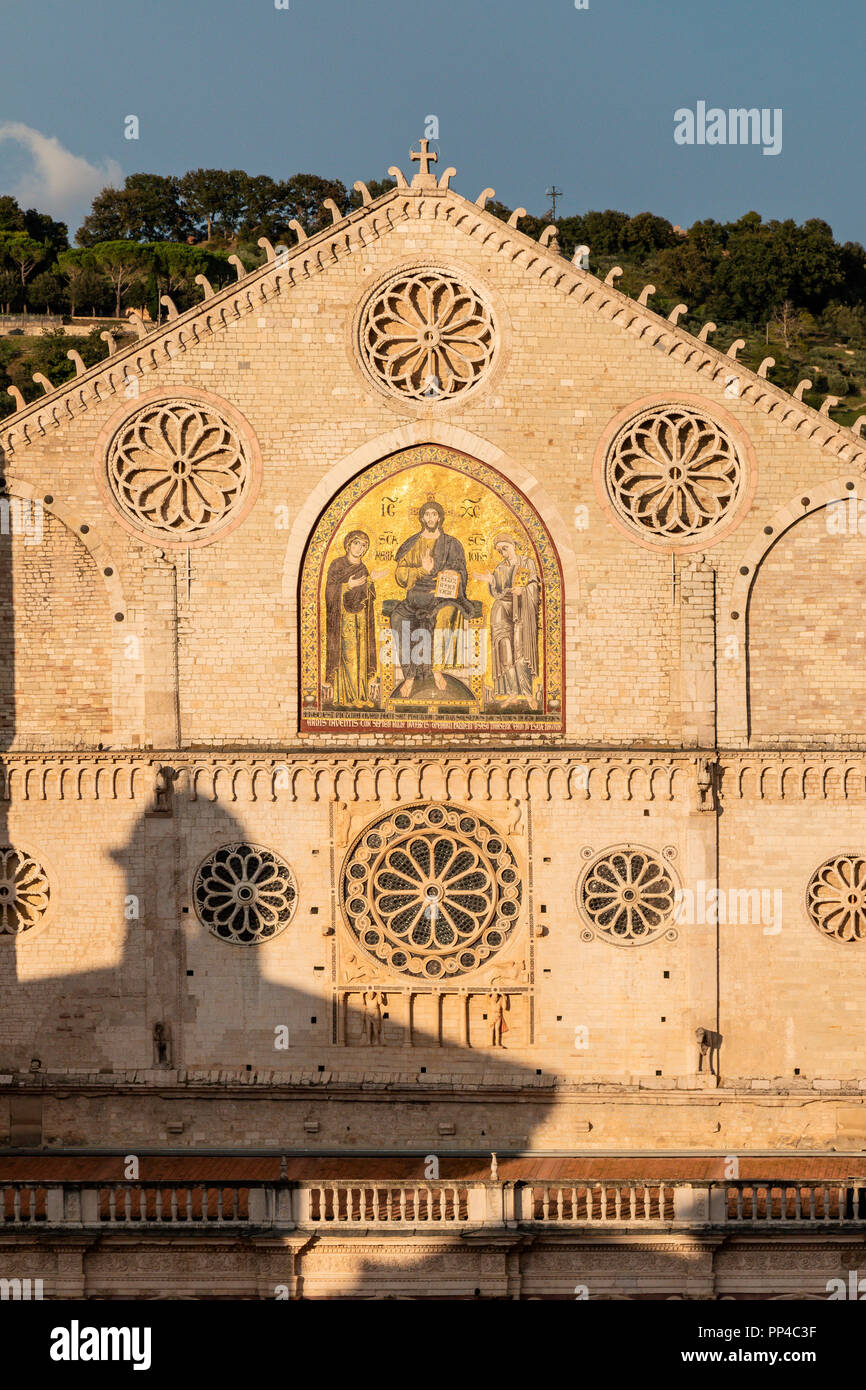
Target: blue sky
{"type": "Point", "coordinates": [525, 93]}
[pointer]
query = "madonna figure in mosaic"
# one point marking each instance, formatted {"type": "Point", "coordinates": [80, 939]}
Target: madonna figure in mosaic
{"type": "Point", "coordinates": [350, 600]}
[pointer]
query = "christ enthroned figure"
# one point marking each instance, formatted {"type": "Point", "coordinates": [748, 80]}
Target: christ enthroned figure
{"type": "Point", "coordinates": [427, 623]}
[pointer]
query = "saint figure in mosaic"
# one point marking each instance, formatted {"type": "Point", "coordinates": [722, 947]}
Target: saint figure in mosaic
{"type": "Point", "coordinates": [515, 588]}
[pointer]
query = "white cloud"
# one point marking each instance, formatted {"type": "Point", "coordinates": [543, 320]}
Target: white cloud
{"type": "Point", "coordinates": [58, 182]}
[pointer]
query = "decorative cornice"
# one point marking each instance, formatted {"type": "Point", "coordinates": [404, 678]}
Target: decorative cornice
{"type": "Point", "coordinates": [478, 775]}
{"type": "Point", "coordinates": [786, 776]}
{"type": "Point", "coordinates": [470, 775]}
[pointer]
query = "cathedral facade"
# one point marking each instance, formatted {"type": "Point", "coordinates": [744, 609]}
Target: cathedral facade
{"type": "Point", "coordinates": [433, 728]}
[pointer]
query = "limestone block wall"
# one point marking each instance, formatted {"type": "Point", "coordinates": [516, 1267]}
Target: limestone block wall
{"type": "Point", "coordinates": [122, 947]}
{"type": "Point", "coordinates": [807, 632]}
{"type": "Point", "coordinates": [186, 657]}
{"type": "Point", "coordinates": [566, 373]}
{"type": "Point", "coordinates": [792, 998]}
{"type": "Point", "coordinates": [58, 666]}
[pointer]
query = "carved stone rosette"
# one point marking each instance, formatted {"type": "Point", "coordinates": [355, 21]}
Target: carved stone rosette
{"type": "Point", "coordinates": [430, 891]}
{"type": "Point", "coordinates": [673, 473]}
{"type": "Point", "coordinates": [425, 334]}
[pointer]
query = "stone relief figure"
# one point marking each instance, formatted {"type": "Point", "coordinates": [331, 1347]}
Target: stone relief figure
{"type": "Point", "coordinates": [705, 771]}
{"type": "Point", "coordinates": [350, 599]}
{"type": "Point", "coordinates": [515, 587]}
{"type": "Point", "coordinates": [709, 1044]}
{"type": "Point", "coordinates": [427, 624]}
{"type": "Point", "coordinates": [497, 1003]}
{"type": "Point", "coordinates": [163, 801]}
{"type": "Point", "coordinates": [374, 1002]}
{"type": "Point", "coordinates": [162, 1045]}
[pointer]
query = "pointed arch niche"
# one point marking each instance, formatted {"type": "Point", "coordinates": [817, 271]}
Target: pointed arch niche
{"type": "Point", "coordinates": [799, 603]}
{"type": "Point", "coordinates": [431, 598]}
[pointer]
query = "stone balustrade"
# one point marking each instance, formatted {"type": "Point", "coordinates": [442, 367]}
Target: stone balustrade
{"type": "Point", "coordinates": [370, 1204]}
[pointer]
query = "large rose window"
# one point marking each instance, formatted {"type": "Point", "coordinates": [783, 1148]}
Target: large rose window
{"type": "Point", "coordinates": [427, 335]}
{"type": "Point", "coordinates": [672, 473]}
{"type": "Point", "coordinates": [245, 894]}
{"type": "Point", "coordinates": [25, 892]}
{"type": "Point", "coordinates": [178, 470]}
{"type": "Point", "coordinates": [431, 890]}
{"type": "Point", "coordinates": [836, 898]}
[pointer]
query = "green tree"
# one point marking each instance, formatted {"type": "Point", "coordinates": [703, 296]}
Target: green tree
{"type": "Point", "coordinates": [215, 197]}
{"type": "Point", "coordinates": [47, 291]}
{"type": "Point", "coordinates": [107, 220]}
{"type": "Point", "coordinates": [687, 269]}
{"type": "Point", "coordinates": [8, 287]}
{"type": "Point", "coordinates": [265, 211]}
{"type": "Point", "coordinates": [124, 263]}
{"type": "Point", "coordinates": [174, 268]}
{"type": "Point", "coordinates": [603, 232]}
{"type": "Point", "coordinates": [155, 209]}
{"type": "Point", "coordinates": [86, 284]}
{"type": "Point", "coordinates": [852, 264]}
{"type": "Point", "coordinates": [11, 216]}
{"type": "Point", "coordinates": [305, 195]}
{"type": "Point", "coordinates": [54, 236]}
{"type": "Point", "coordinates": [645, 233]}
{"type": "Point", "coordinates": [38, 225]}
{"type": "Point", "coordinates": [147, 208]}
{"type": "Point", "coordinates": [24, 253]}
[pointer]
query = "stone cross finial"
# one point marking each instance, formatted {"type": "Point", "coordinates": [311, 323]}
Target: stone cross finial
{"type": "Point", "coordinates": [424, 158]}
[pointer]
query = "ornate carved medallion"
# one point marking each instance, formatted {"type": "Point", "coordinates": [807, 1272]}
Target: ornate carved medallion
{"type": "Point", "coordinates": [672, 473]}
{"type": "Point", "coordinates": [627, 896]}
{"type": "Point", "coordinates": [25, 892]}
{"type": "Point", "coordinates": [178, 470]}
{"type": "Point", "coordinates": [836, 898]}
{"type": "Point", "coordinates": [427, 335]}
{"type": "Point", "coordinates": [431, 891]}
{"type": "Point", "coordinates": [245, 894]}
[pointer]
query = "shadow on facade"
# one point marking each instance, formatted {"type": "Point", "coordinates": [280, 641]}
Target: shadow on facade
{"type": "Point", "coordinates": [180, 999]}
{"type": "Point", "coordinates": [177, 999]}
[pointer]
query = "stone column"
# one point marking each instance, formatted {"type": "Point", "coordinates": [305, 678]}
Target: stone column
{"type": "Point", "coordinates": [698, 653]}
{"type": "Point", "coordinates": [161, 694]}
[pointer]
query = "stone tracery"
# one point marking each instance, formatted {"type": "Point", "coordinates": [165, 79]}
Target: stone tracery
{"type": "Point", "coordinates": [627, 896]}
{"type": "Point", "coordinates": [25, 892]}
{"type": "Point", "coordinates": [427, 334]}
{"type": "Point", "coordinates": [178, 468]}
{"type": "Point", "coordinates": [245, 894]}
{"type": "Point", "coordinates": [431, 890]}
{"type": "Point", "coordinates": [672, 472]}
{"type": "Point", "coordinates": [836, 898]}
